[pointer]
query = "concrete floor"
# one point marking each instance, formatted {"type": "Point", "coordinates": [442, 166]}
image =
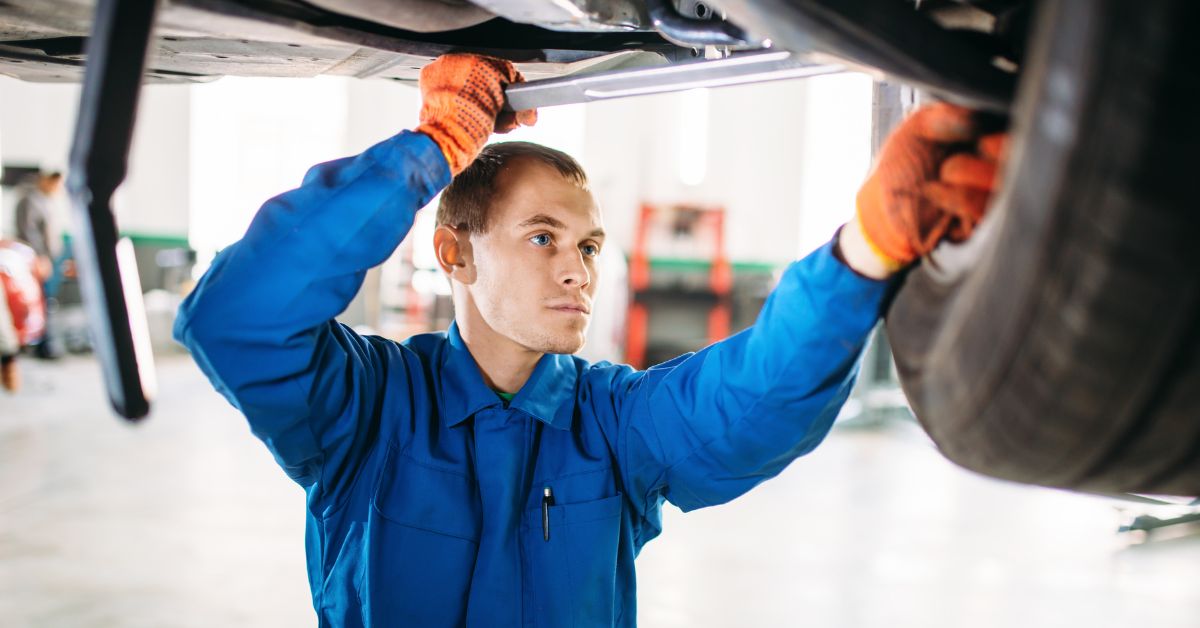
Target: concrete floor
{"type": "Point", "coordinates": [186, 521]}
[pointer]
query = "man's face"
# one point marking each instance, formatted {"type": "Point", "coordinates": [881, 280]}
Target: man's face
{"type": "Point", "coordinates": [536, 263]}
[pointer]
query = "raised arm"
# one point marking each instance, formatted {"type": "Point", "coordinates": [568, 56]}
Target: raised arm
{"type": "Point", "coordinates": [706, 427]}
{"type": "Point", "coordinates": [260, 324]}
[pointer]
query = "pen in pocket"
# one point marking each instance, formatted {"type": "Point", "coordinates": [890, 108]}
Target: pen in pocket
{"type": "Point", "coordinates": [547, 502]}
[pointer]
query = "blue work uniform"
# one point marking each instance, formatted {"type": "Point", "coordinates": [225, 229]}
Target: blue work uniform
{"type": "Point", "coordinates": [425, 490]}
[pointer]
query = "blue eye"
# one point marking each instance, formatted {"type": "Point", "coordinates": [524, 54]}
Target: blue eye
{"type": "Point", "coordinates": [541, 239]}
{"type": "Point", "coordinates": [590, 250]}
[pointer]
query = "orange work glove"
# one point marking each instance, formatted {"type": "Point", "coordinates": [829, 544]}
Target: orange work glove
{"type": "Point", "coordinates": [921, 191]}
{"type": "Point", "coordinates": [462, 99]}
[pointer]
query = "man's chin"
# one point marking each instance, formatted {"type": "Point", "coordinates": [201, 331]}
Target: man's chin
{"type": "Point", "coordinates": [568, 344]}
{"type": "Point", "coordinates": [566, 348]}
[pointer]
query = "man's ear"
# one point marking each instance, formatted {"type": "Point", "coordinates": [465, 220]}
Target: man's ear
{"type": "Point", "coordinates": [453, 249]}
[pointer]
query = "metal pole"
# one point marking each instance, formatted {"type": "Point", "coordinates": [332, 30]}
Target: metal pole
{"type": "Point", "coordinates": [116, 57]}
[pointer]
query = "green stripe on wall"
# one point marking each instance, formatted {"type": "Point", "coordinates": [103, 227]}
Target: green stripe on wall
{"type": "Point", "coordinates": [703, 265]}
{"type": "Point", "coordinates": [148, 239]}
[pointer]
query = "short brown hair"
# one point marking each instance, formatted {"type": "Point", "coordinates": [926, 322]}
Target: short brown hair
{"type": "Point", "coordinates": [466, 201]}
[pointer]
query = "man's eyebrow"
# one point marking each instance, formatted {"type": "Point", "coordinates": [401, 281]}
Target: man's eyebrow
{"type": "Point", "coordinates": [554, 223]}
{"type": "Point", "coordinates": [542, 219]}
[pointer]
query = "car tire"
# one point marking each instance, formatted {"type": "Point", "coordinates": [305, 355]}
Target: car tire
{"type": "Point", "coordinates": [1063, 347]}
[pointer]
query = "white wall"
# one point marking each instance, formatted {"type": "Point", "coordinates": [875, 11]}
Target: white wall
{"type": "Point", "coordinates": [155, 197]}
{"type": "Point", "coordinates": [783, 159]}
{"type": "Point", "coordinates": [251, 140]}
{"type": "Point", "coordinates": [835, 151]}
{"type": "Point", "coordinates": [37, 123]}
{"type": "Point", "coordinates": [376, 110]}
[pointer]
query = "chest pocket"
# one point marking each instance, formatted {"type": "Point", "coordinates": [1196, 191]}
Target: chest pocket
{"type": "Point", "coordinates": [425, 543]}
{"type": "Point", "coordinates": [573, 574]}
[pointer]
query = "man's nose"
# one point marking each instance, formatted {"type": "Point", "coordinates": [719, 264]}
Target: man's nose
{"type": "Point", "coordinates": [574, 271]}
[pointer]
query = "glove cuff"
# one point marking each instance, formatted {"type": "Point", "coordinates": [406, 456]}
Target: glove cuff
{"type": "Point", "coordinates": [458, 150]}
{"type": "Point", "coordinates": [890, 263]}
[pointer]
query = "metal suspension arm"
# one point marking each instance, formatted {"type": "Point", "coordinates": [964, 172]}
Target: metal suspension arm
{"type": "Point", "coordinates": [739, 69]}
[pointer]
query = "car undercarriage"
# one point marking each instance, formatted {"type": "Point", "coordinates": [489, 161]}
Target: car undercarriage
{"type": "Point", "coordinates": [966, 51]}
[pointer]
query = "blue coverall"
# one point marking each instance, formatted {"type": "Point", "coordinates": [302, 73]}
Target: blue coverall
{"type": "Point", "coordinates": [425, 489]}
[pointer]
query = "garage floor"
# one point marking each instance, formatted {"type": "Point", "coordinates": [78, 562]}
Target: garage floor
{"type": "Point", "coordinates": [185, 521]}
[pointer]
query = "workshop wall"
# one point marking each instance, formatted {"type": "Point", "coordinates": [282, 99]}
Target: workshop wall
{"type": "Point", "coordinates": [155, 199]}
{"type": "Point", "coordinates": [251, 140]}
{"type": "Point", "coordinates": [37, 123]}
{"type": "Point", "coordinates": [785, 175]}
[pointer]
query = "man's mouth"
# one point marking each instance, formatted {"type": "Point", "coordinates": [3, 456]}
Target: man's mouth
{"type": "Point", "coordinates": [581, 308]}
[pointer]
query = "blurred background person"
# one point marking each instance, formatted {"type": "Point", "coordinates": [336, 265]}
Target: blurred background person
{"type": "Point", "coordinates": [38, 226]}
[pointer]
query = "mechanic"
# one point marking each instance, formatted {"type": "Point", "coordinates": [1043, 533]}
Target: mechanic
{"type": "Point", "coordinates": [483, 476]}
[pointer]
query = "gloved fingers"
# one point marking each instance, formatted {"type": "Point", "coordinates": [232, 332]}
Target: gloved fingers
{"type": "Point", "coordinates": [528, 117]}
{"type": "Point", "coordinates": [474, 73]}
{"type": "Point", "coordinates": [914, 151]}
{"type": "Point", "coordinates": [506, 71]}
{"type": "Point", "coordinates": [510, 120]}
{"type": "Point", "coordinates": [916, 196]}
{"type": "Point", "coordinates": [969, 170]}
{"type": "Point", "coordinates": [904, 163]}
{"type": "Point", "coordinates": [507, 121]}
{"type": "Point", "coordinates": [994, 146]}
{"type": "Point", "coordinates": [462, 104]}
{"type": "Point", "coordinates": [960, 230]}
{"type": "Point", "coordinates": [960, 201]}
{"type": "Point", "coordinates": [972, 171]}
{"type": "Point", "coordinates": [931, 234]}
{"type": "Point", "coordinates": [940, 122]}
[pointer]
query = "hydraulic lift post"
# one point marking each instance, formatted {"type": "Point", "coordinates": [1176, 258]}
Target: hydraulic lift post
{"type": "Point", "coordinates": [116, 57]}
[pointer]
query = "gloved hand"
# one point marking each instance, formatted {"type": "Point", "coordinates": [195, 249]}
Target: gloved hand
{"type": "Point", "coordinates": [462, 96]}
{"type": "Point", "coordinates": [921, 191]}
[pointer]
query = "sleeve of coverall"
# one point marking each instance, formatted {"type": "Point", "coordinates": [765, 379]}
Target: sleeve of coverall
{"type": "Point", "coordinates": [260, 322]}
{"type": "Point", "coordinates": [706, 427]}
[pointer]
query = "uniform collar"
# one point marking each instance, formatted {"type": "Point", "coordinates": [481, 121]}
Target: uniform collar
{"type": "Point", "coordinates": [548, 395]}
